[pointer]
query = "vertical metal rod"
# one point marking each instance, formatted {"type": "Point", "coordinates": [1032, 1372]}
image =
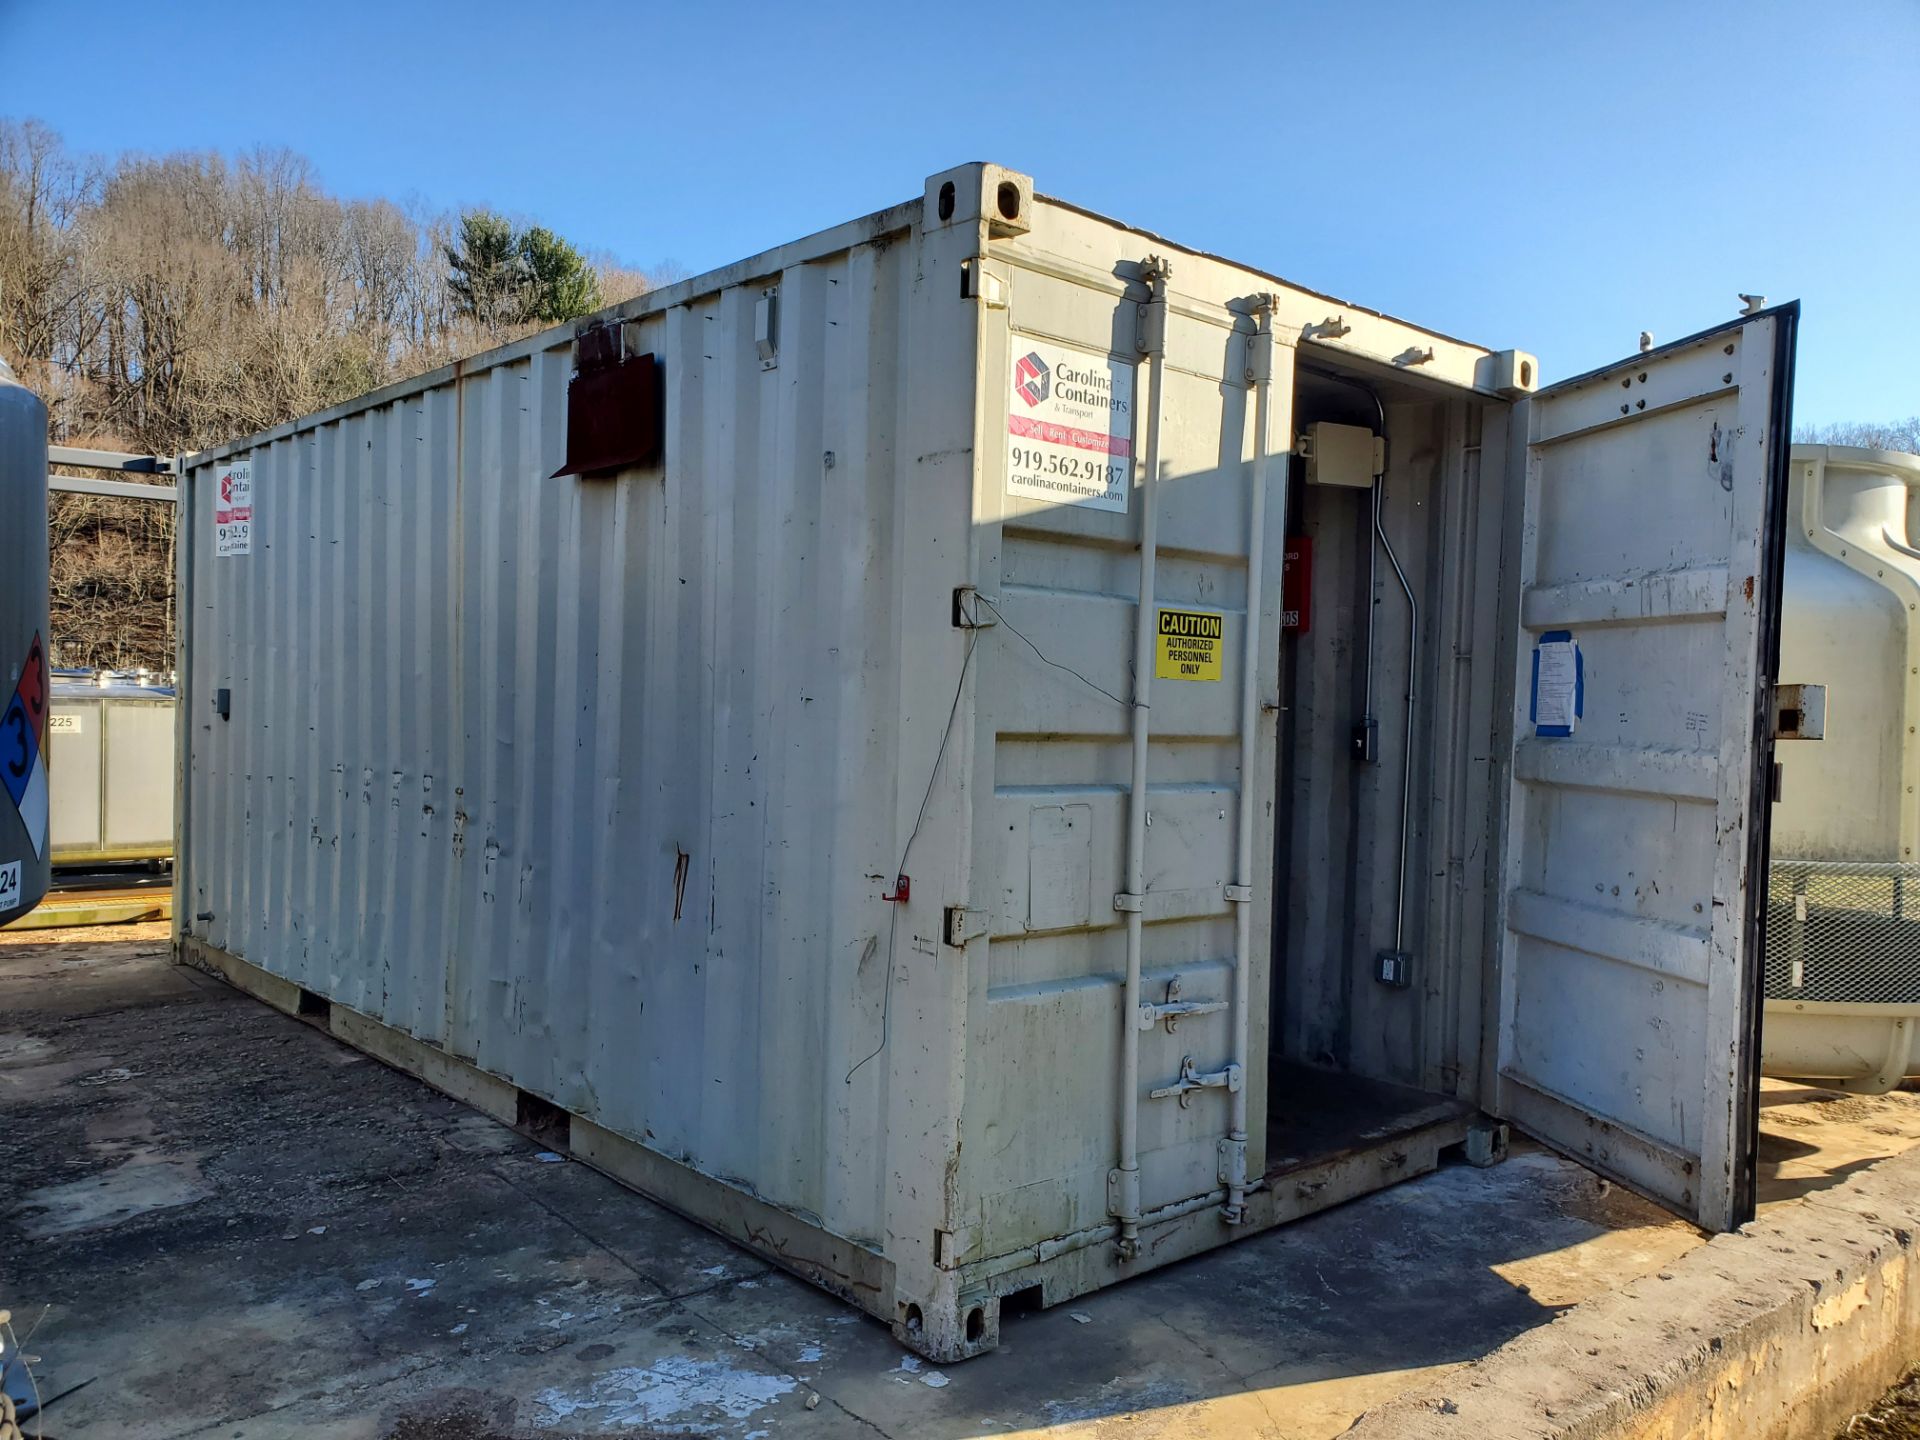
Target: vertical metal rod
{"type": "Point", "coordinates": [1373, 599]}
{"type": "Point", "coordinates": [1153, 341]}
{"type": "Point", "coordinates": [1260, 369]}
{"type": "Point", "coordinates": [1413, 659]}
{"type": "Point", "coordinates": [184, 700]}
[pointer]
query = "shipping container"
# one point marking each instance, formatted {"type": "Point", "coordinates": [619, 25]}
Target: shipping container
{"type": "Point", "coordinates": [1843, 908]}
{"type": "Point", "coordinates": [111, 744]}
{"type": "Point", "coordinates": [726, 736]}
{"type": "Point", "coordinates": [24, 668]}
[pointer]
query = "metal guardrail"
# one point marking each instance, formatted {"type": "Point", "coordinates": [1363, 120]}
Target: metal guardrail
{"type": "Point", "coordinates": [112, 460]}
{"type": "Point", "coordinates": [1843, 932]}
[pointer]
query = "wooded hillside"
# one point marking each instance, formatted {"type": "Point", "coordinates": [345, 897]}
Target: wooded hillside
{"type": "Point", "coordinates": [162, 305]}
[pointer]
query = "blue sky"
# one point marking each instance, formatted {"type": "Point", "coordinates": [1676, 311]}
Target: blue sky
{"type": "Point", "coordinates": [1550, 176]}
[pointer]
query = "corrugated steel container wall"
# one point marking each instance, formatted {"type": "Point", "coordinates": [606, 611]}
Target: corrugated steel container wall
{"type": "Point", "coordinates": [588, 781]}
{"type": "Point", "coordinates": [603, 785]}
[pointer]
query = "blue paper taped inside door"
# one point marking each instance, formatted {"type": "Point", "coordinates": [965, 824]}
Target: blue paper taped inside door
{"type": "Point", "coordinates": [1559, 684]}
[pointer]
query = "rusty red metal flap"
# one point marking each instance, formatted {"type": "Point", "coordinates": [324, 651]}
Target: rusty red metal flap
{"type": "Point", "coordinates": [613, 415]}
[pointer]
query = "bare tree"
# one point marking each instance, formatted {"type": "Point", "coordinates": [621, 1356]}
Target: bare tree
{"type": "Point", "coordinates": [165, 305]}
{"type": "Point", "coordinates": [1897, 435]}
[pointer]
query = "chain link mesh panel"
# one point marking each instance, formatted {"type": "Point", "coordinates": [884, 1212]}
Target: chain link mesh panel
{"type": "Point", "coordinates": [1843, 931]}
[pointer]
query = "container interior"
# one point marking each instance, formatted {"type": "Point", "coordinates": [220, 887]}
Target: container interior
{"type": "Point", "coordinates": [1358, 1053]}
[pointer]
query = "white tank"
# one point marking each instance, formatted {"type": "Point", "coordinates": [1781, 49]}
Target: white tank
{"type": "Point", "coordinates": [111, 743]}
{"type": "Point", "coordinates": [1843, 914]}
{"type": "Point", "coordinates": [23, 648]}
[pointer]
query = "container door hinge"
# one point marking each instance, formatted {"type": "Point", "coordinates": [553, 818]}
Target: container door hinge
{"type": "Point", "coordinates": [1240, 894]}
{"type": "Point", "coordinates": [1174, 1008]}
{"type": "Point", "coordinates": [1155, 271]}
{"type": "Point", "coordinates": [1191, 1080]}
{"type": "Point", "coordinates": [964, 925]}
{"type": "Point", "coordinates": [977, 282]}
{"type": "Point", "coordinates": [1123, 1193]}
{"type": "Point", "coordinates": [1259, 368]}
{"type": "Point", "coordinates": [1124, 901]}
{"type": "Point", "coordinates": [1233, 1164]}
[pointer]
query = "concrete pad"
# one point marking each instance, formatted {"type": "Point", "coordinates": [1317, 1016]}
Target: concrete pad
{"type": "Point", "coordinates": [86, 971]}
{"type": "Point", "coordinates": [1812, 1138]}
{"type": "Point", "coordinates": [246, 1229]}
{"type": "Point", "coordinates": [1777, 1332]}
{"type": "Point", "coordinates": [679, 1258]}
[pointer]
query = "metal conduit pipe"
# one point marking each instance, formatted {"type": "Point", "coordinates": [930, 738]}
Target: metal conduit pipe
{"type": "Point", "coordinates": [1367, 717]}
{"type": "Point", "coordinates": [1241, 892]}
{"type": "Point", "coordinates": [1406, 766]}
{"type": "Point", "coordinates": [1124, 1184]}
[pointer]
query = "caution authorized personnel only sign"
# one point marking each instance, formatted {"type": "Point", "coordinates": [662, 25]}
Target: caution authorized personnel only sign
{"type": "Point", "coordinates": [1190, 645]}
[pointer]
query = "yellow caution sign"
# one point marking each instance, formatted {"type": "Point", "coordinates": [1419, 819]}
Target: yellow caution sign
{"type": "Point", "coordinates": [1191, 645]}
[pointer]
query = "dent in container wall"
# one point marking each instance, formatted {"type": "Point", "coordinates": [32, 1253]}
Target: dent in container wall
{"type": "Point", "coordinates": [24, 669]}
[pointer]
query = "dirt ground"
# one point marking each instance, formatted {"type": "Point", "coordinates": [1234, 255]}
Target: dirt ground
{"type": "Point", "coordinates": [235, 1226]}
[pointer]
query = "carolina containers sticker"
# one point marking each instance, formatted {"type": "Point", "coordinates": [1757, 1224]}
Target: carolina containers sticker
{"type": "Point", "coordinates": [1069, 425]}
{"type": "Point", "coordinates": [233, 509]}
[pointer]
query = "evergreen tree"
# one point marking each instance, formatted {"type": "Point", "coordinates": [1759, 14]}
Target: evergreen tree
{"type": "Point", "coordinates": [500, 276]}
{"type": "Point", "coordinates": [560, 283]}
{"type": "Point", "coordinates": [487, 272]}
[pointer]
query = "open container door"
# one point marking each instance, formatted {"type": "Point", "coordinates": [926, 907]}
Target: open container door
{"type": "Point", "coordinates": [1636, 842]}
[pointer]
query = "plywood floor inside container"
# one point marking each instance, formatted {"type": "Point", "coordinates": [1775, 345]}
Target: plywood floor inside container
{"type": "Point", "coordinates": [1314, 1115]}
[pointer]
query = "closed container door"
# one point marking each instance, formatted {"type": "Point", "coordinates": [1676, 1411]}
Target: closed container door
{"type": "Point", "coordinates": [1642, 744]}
{"type": "Point", "coordinates": [1069, 427]}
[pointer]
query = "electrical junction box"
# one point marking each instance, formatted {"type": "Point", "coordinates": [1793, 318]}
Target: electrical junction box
{"type": "Point", "coordinates": [1349, 455]}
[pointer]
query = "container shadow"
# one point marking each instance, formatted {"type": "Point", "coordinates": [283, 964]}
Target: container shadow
{"type": "Point", "coordinates": [1320, 1319]}
{"type": "Point", "coordinates": [326, 1222]}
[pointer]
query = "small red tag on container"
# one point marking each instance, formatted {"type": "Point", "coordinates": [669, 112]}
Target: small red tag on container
{"type": "Point", "coordinates": [1296, 584]}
